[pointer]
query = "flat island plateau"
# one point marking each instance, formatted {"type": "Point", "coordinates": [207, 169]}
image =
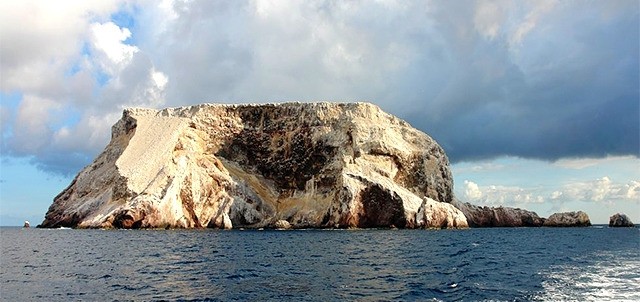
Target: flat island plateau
{"type": "Point", "coordinates": [289, 165]}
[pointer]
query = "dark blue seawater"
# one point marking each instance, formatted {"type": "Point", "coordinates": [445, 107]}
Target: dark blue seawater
{"type": "Point", "coordinates": [500, 264]}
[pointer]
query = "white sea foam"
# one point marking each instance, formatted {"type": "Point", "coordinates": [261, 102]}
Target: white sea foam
{"type": "Point", "coordinates": [614, 280]}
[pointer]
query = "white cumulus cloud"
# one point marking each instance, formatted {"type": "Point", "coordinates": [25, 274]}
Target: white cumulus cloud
{"type": "Point", "coordinates": [539, 9]}
{"type": "Point", "coordinates": [33, 119]}
{"type": "Point", "coordinates": [40, 40]}
{"type": "Point", "coordinates": [109, 39]}
{"type": "Point", "coordinates": [73, 69]}
{"type": "Point", "coordinates": [603, 190]}
{"type": "Point", "coordinates": [496, 195]}
{"type": "Point", "coordinates": [489, 17]}
{"type": "Point", "coordinates": [631, 190]}
{"type": "Point", "coordinates": [471, 191]}
{"type": "Point", "coordinates": [556, 195]}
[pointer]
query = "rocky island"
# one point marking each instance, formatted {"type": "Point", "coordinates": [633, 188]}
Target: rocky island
{"type": "Point", "coordinates": [290, 165]}
{"type": "Point", "coordinates": [620, 220]}
{"type": "Point", "coordinates": [312, 165]}
{"type": "Point", "coordinates": [568, 219]}
{"type": "Point", "coordinates": [483, 217]}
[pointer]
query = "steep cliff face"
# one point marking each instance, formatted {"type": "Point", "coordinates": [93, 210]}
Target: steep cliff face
{"type": "Point", "coordinates": [224, 166]}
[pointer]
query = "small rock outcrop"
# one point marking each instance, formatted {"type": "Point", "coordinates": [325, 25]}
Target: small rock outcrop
{"type": "Point", "coordinates": [282, 225]}
{"type": "Point", "coordinates": [433, 214]}
{"type": "Point", "coordinates": [568, 219]}
{"type": "Point", "coordinates": [620, 220]}
{"type": "Point", "coordinates": [481, 217]}
{"type": "Point", "coordinates": [254, 166]}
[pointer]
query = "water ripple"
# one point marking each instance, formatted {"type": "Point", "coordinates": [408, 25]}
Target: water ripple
{"type": "Point", "coordinates": [363, 265]}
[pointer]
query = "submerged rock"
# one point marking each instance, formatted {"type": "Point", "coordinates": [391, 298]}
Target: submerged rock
{"type": "Point", "coordinates": [620, 220]}
{"type": "Point", "coordinates": [481, 217]}
{"type": "Point", "coordinates": [224, 166]}
{"type": "Point", "coordinates": [568, 219]}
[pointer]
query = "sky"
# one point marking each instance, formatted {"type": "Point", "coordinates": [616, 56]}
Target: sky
{"type": "Point", "coordinates": [536, 103]}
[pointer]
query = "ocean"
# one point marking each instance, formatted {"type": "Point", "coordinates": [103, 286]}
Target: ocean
{"type": "Point", "coordinates": [494, 264]}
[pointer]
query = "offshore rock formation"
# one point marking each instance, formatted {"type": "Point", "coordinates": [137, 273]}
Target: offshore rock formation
{"type": "Point", "coordinates": [481, 217]}
{"type": "Point", "coordinates": [568, 219]}
{"type": "Point", "coordinates": [226, 166]}
{"type": "Point", "coordinates": [620, 220]}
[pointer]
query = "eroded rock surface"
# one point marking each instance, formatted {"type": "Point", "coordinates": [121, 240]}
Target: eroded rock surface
{"type": "Point", "coordinates": [620, 220]}
{"type": "Point", "coordinates": [568, 219]}
{"type": "Point", "coordinates": [225, 166]}
{"type": "Point", "coordinates": [478, 216]}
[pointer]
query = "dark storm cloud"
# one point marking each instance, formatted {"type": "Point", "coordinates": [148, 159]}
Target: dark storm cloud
{"type": "Point", "coordinates": [559, 81]}
{"type": "Point", "coordinates": [571, 90]}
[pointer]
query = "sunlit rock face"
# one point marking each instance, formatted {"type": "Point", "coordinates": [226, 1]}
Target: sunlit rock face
{"type": "Point", "coordinates": [227, 166]}
{"type": "Point", "coordinates": [478, 216]}
{"type": "Point", "coordinates": [620, 220]}
{"type": "Point", "coordinates": [568, 219]}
